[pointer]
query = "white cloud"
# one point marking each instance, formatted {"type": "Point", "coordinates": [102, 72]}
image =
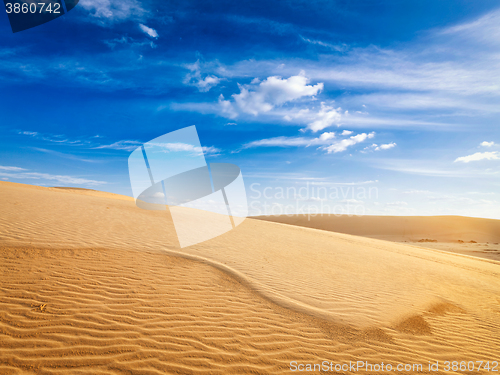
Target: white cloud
{"type": "Point", "coordinates": [326, 136]}
{"type": "Point", "coordinates": [148, 30]}
{"type": "Point", "coordinates": [168, 147]}
{"type": "Point", "coordinates": [487, 144]}
{"type": "Point", "coordinates": [353, 201]}
{"type": "Point", "coordinates": [429, 168]}
{"type": "Point", "coordinates": [107, 12]}
{"type": "Point", "coordinates": [122, 145]}
{"type": "Point", "coordinates": [4, 168]}
{"type": "Point", "coordinates": [385, 147]}
{"type": "Point", "coordinates": [260, 98]}
{"type": "Point", "coordinates": [178, 147]}
{"type": "Point", "coordinates": [334, 47]}
{"type": "Point", "coordinates": [396, 204]}
{"type": "Point", "coordinates": [454, 70]}
{"type": "Point", "coordinates": [325, 117]}
{"type": "Point", "coordinates": [279, 142]}
{"type": "Point", "coordinates": [18, 173]}
{"type": "Point", "coordinates": [325, 140]}
{"type": "Point", "coordinates": [483, 30]}
{"type": "Point", "coordinates": [226, 108]}
{"type": "Point", "coordinates": [344, 183]}
{"type": "Point", "coordinates": [345, 143]}
{"type": "Point", "coordinates": [376, 147]}
{"type": "Point", "coordinates": [316, 120]}
{"type": "Point", "coordinates": [56, 138]}
{"type": "Point", "coordinates": [195, 78]}
{"type": "Point", "coordinates": [346, 132]}
{"type": "Point", "coordinates": [494, 155]}
{"type": "Point", "coordinates": [414, 191]}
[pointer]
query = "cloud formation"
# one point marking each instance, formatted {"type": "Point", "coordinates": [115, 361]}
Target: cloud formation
{"type": "Point", "coordinates": [13, 169]}
{"type": "Point", "coordinates": [385, 146]}
{"type": "Point", "coordinates": [261, 97]}
{"type": "Point", "coordinates": [351, 141]}
{"type": "Point", "coordinates": [493, 155]}
{"type": "Point", "coordinates": [107, 12]}
{"type": "Point", "coordinates": [376, 147]}
{"type": "Point", "coordinates": [487, 144]}
{"type": "Point", "coordinates": [20, 174]}
{"type": "Point", "coordinates": [179, 147]}
{"type": "Point", "coordinates": [327, 142]}
{"type": "Point", "coordinates": [148, 30]}
{"type": "Point", "coordinates": [318, 120]}
{"type": "Point", "coordinates": [204, 82]}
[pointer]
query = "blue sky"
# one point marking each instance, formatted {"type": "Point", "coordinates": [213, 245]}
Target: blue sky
{"type": "Point", "coordinates": [374, 107]}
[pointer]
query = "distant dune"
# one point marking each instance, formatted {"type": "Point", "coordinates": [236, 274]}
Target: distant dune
{"type": "Point", "coordinates": [457, 234]}
{"type": "Point", "coordinates": [400, 228]}
{"type": "Point", "coordinates": [93, 284]}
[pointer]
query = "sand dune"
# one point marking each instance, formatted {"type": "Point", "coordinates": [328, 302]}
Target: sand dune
{"type": "Point", "coordinates": [462, 235]}
{"type": "Point", "coordinates": [400, 228]}
{"type": "Point", "coordinates": [92, 284]}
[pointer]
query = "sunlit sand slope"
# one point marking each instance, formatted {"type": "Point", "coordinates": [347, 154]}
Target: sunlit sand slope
{"type": "Point", "coordinates": [98, 311]}
{"type": "Point", "coordinates": [117, 299]}
{"type": "Point", "coordinates": [462, 235]}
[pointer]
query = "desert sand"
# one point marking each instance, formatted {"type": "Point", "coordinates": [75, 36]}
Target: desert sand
{"type": "Point", "coordinates": [91, 284]}
{"type": "Point", "coordinates": [463, 235]}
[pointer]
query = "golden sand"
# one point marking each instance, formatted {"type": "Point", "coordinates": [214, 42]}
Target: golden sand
{"type": "Point", "coordinates": [462, 235]}
{"type": "Point", "coordinates": [93, 284]}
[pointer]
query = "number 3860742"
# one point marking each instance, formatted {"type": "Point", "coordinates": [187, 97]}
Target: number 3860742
{"type": "Point", "coordinates": [33, 7]}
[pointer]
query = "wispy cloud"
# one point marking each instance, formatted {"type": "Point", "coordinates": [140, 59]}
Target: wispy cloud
{"type": "Point", "coordinates": [64, 155]}
{"type": "Point", "coordinates": [56, 138]}
{"type": "Point", "coordinates": [433, 168]}
{"type": "Point", "coordinates": [451, 71]}
{"type": "Point", "coordinates": [148, 31]}
{"type": "Point", "coordinates": [180, 147]}
{"type": "Point", "coordinates": [318, 120]}
{"type": "Point", "coordinates": [376, 147]}
{"type": "Point", "coordinates": [334, 47]}
{"type": "Point", "coordinates": [121, 145]}
{"type": "Point", "coordinates": [204, 82]}
{"type": "Point", "coordinates": [20, 174]}
{"type": "Point", "coordinates": [127, 145]}
{"type": "Point", "coordinates": [327, 141]}
{"type": "Point", "coordinates": [414, 191]}
{"type": "Point", "coordinates": [107, 12]}
{"type": "Point", "coordinates": [281, 142]}
{"type": "Point", "coordinates": [12, 169]}
{"type": "Point", "coordinates": [368, 182]}
{"type": "Point", "coordinates": [485, 30]}
{"type": "Point", "coordinates": [397, 204]}
{"type": "Point", "coordinates": [348, 142]}
{"type": "Point", "coordinates": [493, 155]}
